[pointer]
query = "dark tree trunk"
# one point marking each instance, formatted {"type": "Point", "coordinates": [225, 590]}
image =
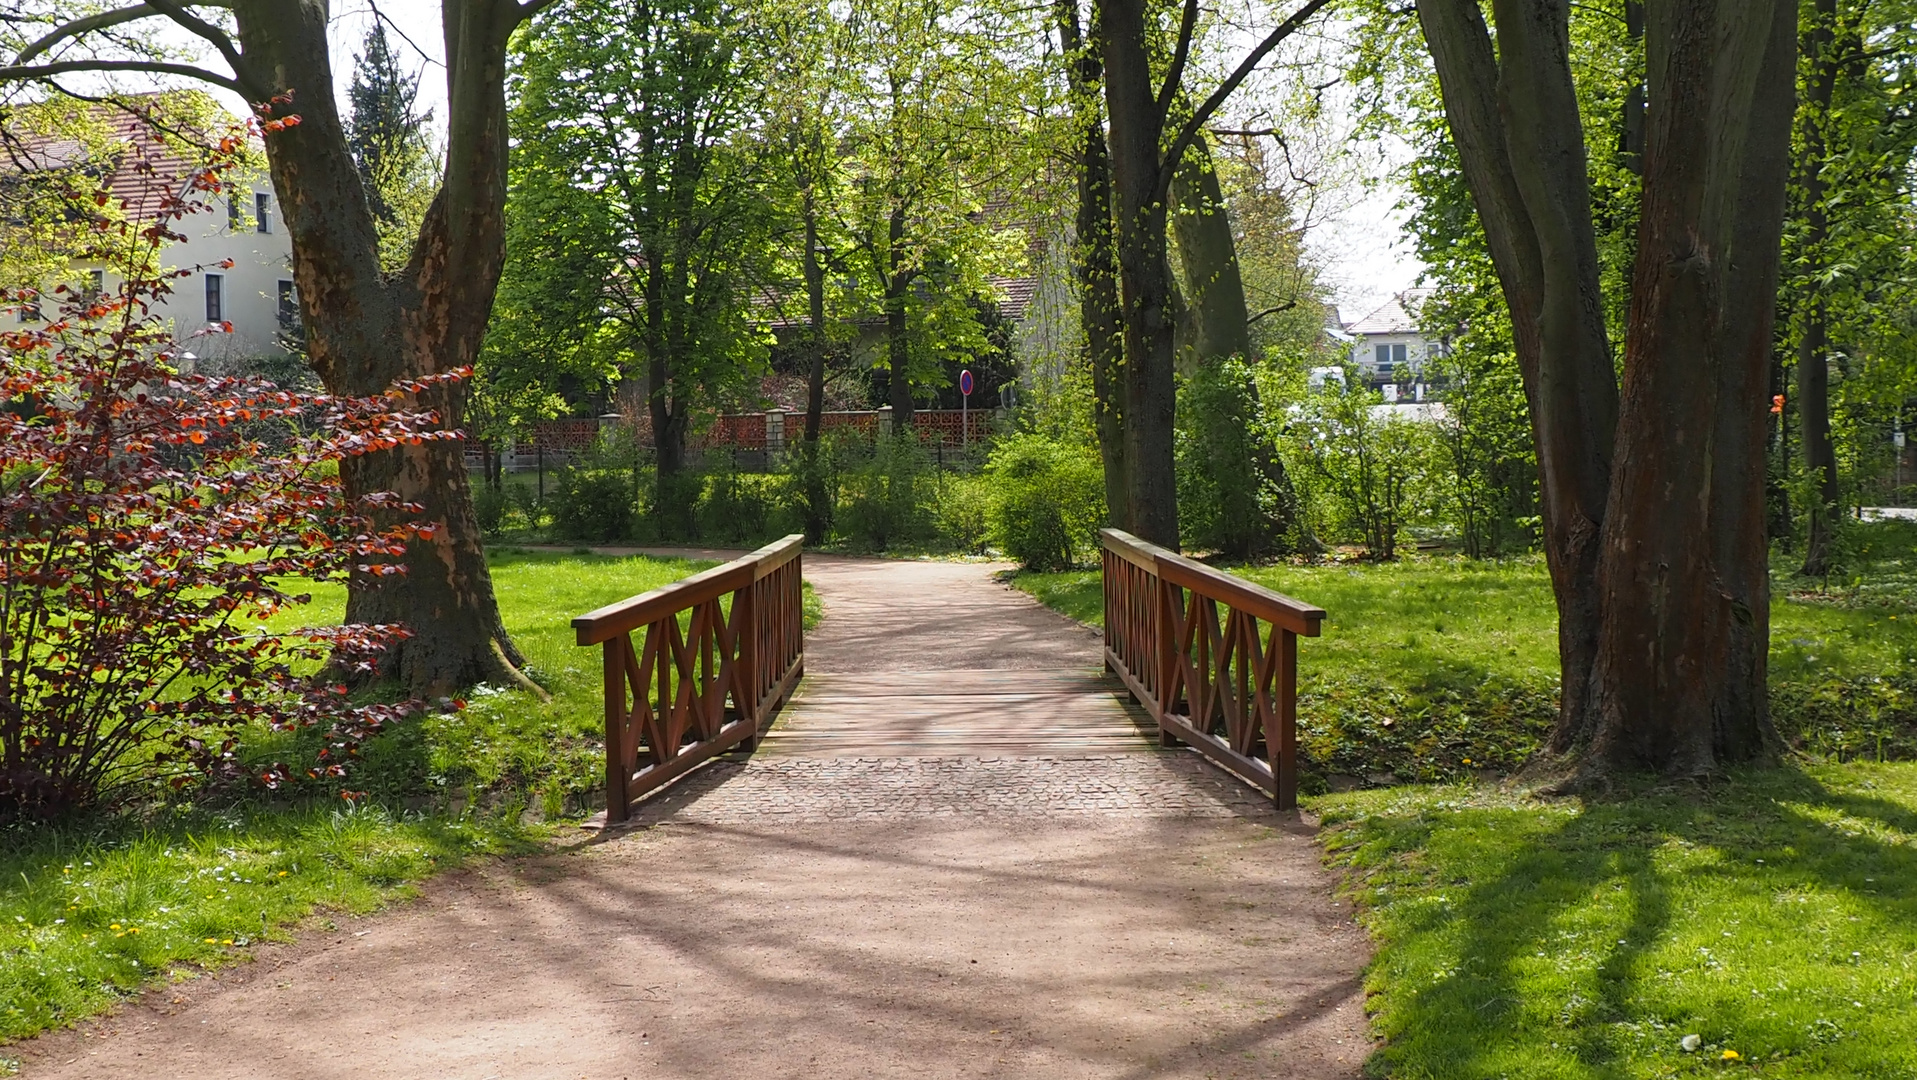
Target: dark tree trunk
{"type": "Point", "coordinates": [1212, 286]}
{"type": "Point", "coordinates": [1522, 147]}
{"type": "Point", "coordinates": [364, 331]}
{"type": "Point", "coordinates": [818, 507]}
{"type": "Point", "coordinates": [898, 279]}
{"type": "Point", "coordinates": [815, 313]}
{"type": "Point", "coordinates": [1681, 663]}
{"type": "Point", "coordinates": [1813, 344]}
{"type": "Point", "coordinates": [1094, 263]}
{"type": "Point", "coordinates": [1137, 125]}
{"type": "Point", "coordinates": [1656, 553]}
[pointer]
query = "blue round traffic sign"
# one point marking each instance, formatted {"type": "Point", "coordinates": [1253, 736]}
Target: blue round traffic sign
{"type": "Point", "coordinates": [965, 382]}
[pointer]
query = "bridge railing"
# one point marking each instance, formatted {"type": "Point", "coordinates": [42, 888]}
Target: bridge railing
{"type": "Point", "coordinates": [1213, 658]}
{"type": "Point", "coordinates": [720, 652]}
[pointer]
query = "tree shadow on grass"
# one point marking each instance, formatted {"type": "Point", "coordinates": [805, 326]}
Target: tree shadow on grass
{"type": "Point", "coordinates": [1564, 941]}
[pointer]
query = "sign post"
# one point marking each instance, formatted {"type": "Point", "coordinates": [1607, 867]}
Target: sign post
{"type": "Point", "coordinates": [965, 410]}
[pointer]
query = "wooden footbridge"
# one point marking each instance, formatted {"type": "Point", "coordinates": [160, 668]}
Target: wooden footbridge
{"type": "Point", "coordinates": [702, 667]}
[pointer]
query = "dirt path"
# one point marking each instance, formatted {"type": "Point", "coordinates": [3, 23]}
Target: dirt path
{"type": "Point", "coordinates": [822, 911]}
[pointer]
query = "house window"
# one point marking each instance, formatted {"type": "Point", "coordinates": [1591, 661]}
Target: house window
{"type": "Point", "coordinates": [289, 308]}
{"type": "Point", "coordinates": [235, 212]}
{"type": "Point", "coordinates": [215, 298]}
{"type": "Point", "coordinates": [1384, 358]}
{"type": "Point", "coordinates": [1397, 354]}
{"type": "Point", "coordinates": [262, 212]}
{"type": "Point", "coordinates": [29, 308]}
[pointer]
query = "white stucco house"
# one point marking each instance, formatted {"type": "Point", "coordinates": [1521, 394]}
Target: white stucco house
{"type": "Point", "coordinates": [1390, 351]}
{"type": "Point", "coordinates": [254, 296]}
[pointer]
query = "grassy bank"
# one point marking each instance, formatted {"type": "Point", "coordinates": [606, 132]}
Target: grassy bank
{"type": "Point", "coordinates": [91, 912]}
{"type": "Point", "coordinates": [1775, 919]}
{"type": "Point", "coordinates": [1444, 669]}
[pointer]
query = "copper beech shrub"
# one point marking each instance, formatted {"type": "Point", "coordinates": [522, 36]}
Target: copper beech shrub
{"type": "Point", "coordinates": [151, 519]}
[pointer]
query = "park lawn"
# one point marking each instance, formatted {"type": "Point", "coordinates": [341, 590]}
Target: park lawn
{"type": "Point", "coordinates": [1444, 669]}
{"type": "Point", "coordinates": [1421, 621]}
{"type": "Point", "coordinates": [91, 912]}
{"type": "Point", "coordinates": [1773, 916]}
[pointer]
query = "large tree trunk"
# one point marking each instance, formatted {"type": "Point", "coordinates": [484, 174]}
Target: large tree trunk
{"type": "Point", "coordinates": [1680, 667]}
{"type": "Point", "coordinates": [1094, 264]}
{"type": "Point", "coordinates": [1137, 124]}
{"type": "Point", "coordinates": [1522, 147]}
{"type": "Point", "coordinates": [1656, 554]}
{"type": "Point", "coordinates": [364, 331]}
{"type": "Point", "coordinates": [1219, 323]}
{"type": "Point", "coordinates": [1813, 345]}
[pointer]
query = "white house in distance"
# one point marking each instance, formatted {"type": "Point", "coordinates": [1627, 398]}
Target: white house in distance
{"type": "Point", "coordinates": [255, 295]}
{"type": "Point", "coordinates": [1390, 351]}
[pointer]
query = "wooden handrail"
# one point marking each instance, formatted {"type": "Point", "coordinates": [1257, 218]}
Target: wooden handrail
{"type": "Point", "coordinates": [1217, 681]}
{"type": "Point", "coordinates": [1267, 604]}
{"type": "Point", "coordinates": [689, 692]}
{"type": "Point", "coordinates": [599, 624]}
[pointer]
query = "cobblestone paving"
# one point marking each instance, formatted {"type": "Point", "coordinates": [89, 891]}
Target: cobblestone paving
{"type": "Point", "coordinates": [809, 790]}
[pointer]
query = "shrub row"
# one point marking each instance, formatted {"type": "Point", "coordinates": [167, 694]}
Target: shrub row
{"type": "Point", "coordinates": [1038, 500]}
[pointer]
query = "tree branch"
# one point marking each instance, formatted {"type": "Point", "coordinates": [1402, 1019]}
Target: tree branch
{"type": "Point", "coordinates": [242, 71]}
{"type": "Point", "coordinates": [1175, 74]}
{"type": "Point", "coordinates": [22, 73]}
{"type": "Point", "coordinates": [1281, 308]}
{"type": "Point", "coordinates": [84, 26]}
{"type": "Point", "coordinates": [1189, 130]}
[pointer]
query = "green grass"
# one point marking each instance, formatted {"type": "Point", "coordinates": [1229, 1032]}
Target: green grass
{"type": "Point", "coordinates": [90, 913]}
{"type": "Point", "coordinates": [508, 740]}
{"type": "Point", "coordinates": [1427, 620]}
{"type": "Point", "coordinates": [1437, 669]}
{"type": "Point", "coordinates": [1775, 918]}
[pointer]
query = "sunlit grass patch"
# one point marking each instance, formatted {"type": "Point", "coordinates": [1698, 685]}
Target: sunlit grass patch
{"type": "Point", "coordinates": [90, 913]}
{"type": "Point", "coordinates": [93, 912]}
{"type": "Point", "coordinates": [1772, 918]}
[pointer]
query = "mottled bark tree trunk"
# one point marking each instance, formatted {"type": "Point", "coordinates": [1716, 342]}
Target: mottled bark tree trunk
{"type": "Point", "coordinates": [365, 330]}
{"type": "Point", "coordinates": [1094, 263]}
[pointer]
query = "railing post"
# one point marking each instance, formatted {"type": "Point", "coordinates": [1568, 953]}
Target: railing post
{"type": "Point", "coordinates": [618, 755]}
{"type": "Point", "coordinates": [1283, 743]}
{"type": "Point", "coordinates": [749, 685]}
{"type": "Point", "coordinates": [1165, 646]}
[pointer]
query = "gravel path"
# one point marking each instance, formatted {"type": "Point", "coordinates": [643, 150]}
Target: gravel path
{"type": "Point", "coordinates": [822, 910]}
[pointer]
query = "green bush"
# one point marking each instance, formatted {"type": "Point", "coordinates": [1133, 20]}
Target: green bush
{"type": "Point", "coordinates": [672, 511]}
{"type": "Point", "coordinates": [1048, 499]}
{"type": "Point", "coordinates": [490, 505]}
{"type": "Point", "coordinates": [886, 502]}
{"type": "Point", "coordinates": [965, 512]}
{"type": "Point", "coordinates": [591, 504]}
{"type": "Point", "coordinates": [1234, 496]}
{"type": "Point", "coordinates": [738, 507]}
